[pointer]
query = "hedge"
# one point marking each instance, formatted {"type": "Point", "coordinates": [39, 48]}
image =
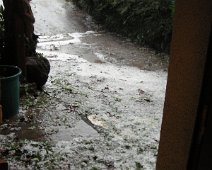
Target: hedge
{"type": "Point", "coordinates": [148, 22]}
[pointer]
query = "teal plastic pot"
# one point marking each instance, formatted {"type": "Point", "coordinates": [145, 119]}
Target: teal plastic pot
{"type": "Point", "coordinates": [9, 90]}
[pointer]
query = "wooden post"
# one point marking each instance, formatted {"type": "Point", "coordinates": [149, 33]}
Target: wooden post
{"type": "Point", "coordinates": [190, 40]}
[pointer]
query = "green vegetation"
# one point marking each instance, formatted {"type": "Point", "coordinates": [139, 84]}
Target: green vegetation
{"type": "Point", "coordinates": [147, 22]}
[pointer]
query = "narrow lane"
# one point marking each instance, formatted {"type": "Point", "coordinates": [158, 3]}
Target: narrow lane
{"type": "Point", "coordinates": [60, 17]}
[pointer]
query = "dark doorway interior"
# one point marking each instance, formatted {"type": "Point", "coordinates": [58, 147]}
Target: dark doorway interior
{"type": "Point", "coordinates": [201, 150]}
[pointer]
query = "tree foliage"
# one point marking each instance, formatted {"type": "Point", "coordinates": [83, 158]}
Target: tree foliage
{"type": "Point", "coordinates": [148, 22]}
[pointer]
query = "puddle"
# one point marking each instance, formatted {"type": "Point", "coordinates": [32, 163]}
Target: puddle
{"type": "Point", "coordinates": [81, 129]}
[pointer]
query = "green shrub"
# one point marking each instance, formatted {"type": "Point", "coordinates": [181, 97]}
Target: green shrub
{"type": "Point", "coordinates": [148, 22]}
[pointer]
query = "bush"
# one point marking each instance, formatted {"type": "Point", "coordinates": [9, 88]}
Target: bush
{"type": "Point", "coordinates": [148, 22]}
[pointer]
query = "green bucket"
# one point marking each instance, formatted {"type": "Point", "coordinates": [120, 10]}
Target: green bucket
{"type": "Point", "coordinates": [9, 90]}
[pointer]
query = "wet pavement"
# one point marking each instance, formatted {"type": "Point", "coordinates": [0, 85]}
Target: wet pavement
{"type": "Point", "coordinates": [101, 107]}
{"type": "Point", "coordinates": [60, 17]}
